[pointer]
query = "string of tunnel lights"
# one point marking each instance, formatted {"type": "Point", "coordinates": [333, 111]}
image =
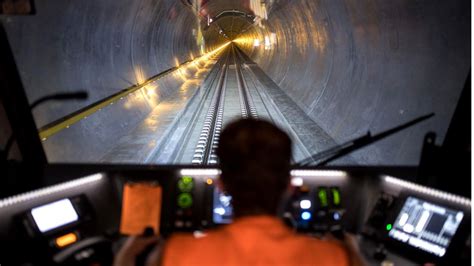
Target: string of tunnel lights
{"type": "Point", "coordinates": [65, 122]}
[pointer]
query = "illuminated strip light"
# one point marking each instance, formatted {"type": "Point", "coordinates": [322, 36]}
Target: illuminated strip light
{"type": "Point", "coordinates": [197, 172]}
{"type": "Point", "coordinates": [297, 181]}
{"type": "Point", "coordinates": [65, 122]}
{"type": "Point", "coordinates": [318, 173]}
{"type": "Point", "coordinates": [429, 191]}
{"type": "Point", "coordinates": [49, 190]}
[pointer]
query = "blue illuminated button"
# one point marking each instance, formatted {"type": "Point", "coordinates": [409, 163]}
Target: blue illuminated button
{"type": "Point", "coordinates": [306, 216]}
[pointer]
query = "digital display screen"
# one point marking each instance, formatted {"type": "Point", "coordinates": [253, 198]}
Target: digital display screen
{"type": "Point", "coordinates": [426, 226]}
{"type": "Point", "coordinates": [222, 209]}
{"type": "Point", "coordinates": [54, 215]}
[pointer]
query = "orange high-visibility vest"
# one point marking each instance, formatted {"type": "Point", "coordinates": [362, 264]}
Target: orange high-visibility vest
{"type": "Point", "coordinates": [256, 240]}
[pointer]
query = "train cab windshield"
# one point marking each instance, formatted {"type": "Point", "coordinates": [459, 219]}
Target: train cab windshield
{"type": "Point", "coordinates": [112, 113]}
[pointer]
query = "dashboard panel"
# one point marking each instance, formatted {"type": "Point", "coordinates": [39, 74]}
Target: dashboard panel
{"type": "Point", "coordinates": [394, 219]}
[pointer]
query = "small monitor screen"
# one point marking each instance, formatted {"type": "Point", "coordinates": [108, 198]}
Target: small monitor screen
{"type": "Point", "coordinates": [426, 226]}
{"type": "Point", "coordinates": [54, 215]}
{"type": "Point", "coordinates": [222, 209]}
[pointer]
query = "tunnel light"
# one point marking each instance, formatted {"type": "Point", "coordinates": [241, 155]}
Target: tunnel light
{"type": "Point", "coordinates": [273, 38]}
{"type": "Point", "coordinates": [49, 190]}
{"type": "Point", "coordinates": [427, 190]}
{"type": "Point", "coordinates": [209, 20]}
{"type": "Point", "coordinates": [141, 82]}
{"type": "Point", "coordinates": [256, 42]}
{"type": "Point", "coordinates": [267, 43]}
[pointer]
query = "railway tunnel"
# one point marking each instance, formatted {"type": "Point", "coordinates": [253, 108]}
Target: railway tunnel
{"type": "Point", "coordinates": [163, 77]}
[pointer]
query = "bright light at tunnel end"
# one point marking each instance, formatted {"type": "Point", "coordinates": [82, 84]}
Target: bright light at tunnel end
{"type": "Point", "coordinates": [207, 55]}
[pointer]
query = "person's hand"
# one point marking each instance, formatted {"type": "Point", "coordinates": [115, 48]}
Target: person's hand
{"type": "Point", "coordinates": [133, 247]}
{"type": "Point", "coordinates": [352, 247]}
{"type": "Point", "coordinates": [155, 256]}
{"type": "Point", "coordinates": [350, 244]}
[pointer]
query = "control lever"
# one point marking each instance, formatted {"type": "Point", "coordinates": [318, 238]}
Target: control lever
{"type": "Point", "coordinates": [338, 233]}
{"type": "Point", "coordinates": [380, 252]}
{"type": "Point", "coordinates": [141, 259]}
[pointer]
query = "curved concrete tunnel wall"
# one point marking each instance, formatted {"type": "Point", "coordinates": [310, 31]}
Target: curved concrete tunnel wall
{"type": "Point", "coordinates": [360, 65]}
{"type": "Point", "coordinates": [101, 47]}
{"type": "Point", "coordinates": [351, 65]}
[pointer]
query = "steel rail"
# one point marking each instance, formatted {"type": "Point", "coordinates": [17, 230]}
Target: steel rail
{"type": "Point", "coordinates": [209, 138]}
{"type": "Point", "coordinates": [247, 106]}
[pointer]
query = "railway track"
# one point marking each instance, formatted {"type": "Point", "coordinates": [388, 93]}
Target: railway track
{"type": "Point", "coordinates": [210, 132]}
{"type": "Point", "coordinates": [205, 151]}
{"type": "Point", "coordinates": [247, 106]}
{"type": "Point", "coordinates": [230, 93]}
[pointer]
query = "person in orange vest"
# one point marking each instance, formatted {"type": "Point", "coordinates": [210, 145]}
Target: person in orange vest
{"type": "Point", "coordinates": [255, 160]}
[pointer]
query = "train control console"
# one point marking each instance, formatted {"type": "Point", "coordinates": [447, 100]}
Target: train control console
{"type": "Point", "coordinates": [80, 220]}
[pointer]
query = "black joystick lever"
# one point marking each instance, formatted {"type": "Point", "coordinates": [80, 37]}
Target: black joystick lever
{"type": "Point", "coordinates": [141, 259]}
{"type": "Point", "coordinates": [380, 253]}
{"type": "Point", "coordinates": [338, 233]}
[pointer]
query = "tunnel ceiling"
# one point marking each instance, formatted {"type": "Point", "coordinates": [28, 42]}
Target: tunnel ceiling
{"type": "Point", "coordinates": [230, 18]}
{"type": "Point", "coordinates": [350, 65]}
{"type": "Point", "coordinates": [214, 7]}
{"type": "Point", "coordinates": [232, 26]}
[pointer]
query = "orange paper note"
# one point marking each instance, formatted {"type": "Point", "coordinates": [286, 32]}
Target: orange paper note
{"type": "Point", "coordinates": [141, 208]}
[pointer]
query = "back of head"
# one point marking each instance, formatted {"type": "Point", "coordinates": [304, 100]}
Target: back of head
{"type": "Point", "coordinates": [255, 160]}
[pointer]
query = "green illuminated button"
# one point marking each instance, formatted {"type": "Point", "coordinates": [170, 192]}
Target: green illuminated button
{"type": "Point", "coordinates": [185, 200]}
{"type": "Point", "coordinates": [323, 197]}
{"type": "Point", "coordinates": [336, 196]}
{"type": "Point", "coordinates": [185, 184]}
{"type": "Point", "coordinates": [388, 227]}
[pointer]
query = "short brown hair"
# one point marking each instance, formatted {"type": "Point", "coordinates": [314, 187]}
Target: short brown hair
{"type": "Point", "coordinates": [255, 157]}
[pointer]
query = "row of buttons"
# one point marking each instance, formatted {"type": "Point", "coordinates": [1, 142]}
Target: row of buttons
{"type": "Point", "coordinates": [184, 202]}
{"type": "Point", "coordinates": [315, 209]}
